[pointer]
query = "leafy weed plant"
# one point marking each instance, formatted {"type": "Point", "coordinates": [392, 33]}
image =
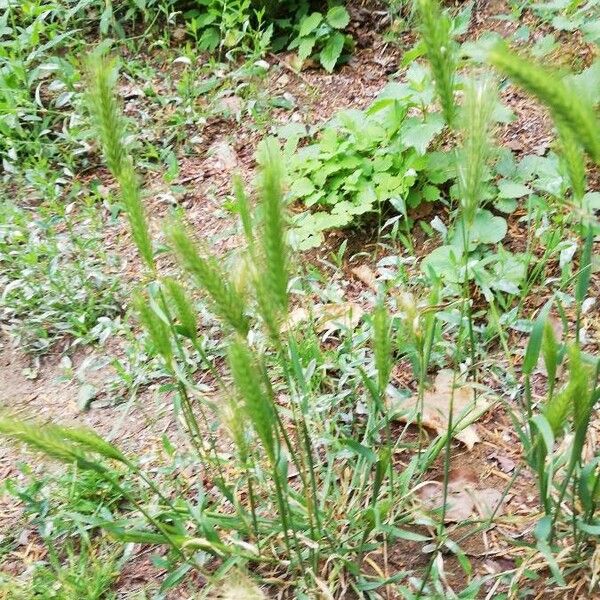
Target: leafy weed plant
{"type": "Point", "coordinates": [58, 283]}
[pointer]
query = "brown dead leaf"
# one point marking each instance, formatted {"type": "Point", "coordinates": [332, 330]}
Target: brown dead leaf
{"type": "Point", "coordinates": [297, 316]}
{"type": "Point", "coordinates": [459, 504]}
{"type": "Point", "coordinates": [464, 499]}
{"type": "Point", "coordinates": [328, 317]}
{"type": "Point", "coordinates": [487, 502]}
{"type": "Point", "coordinates": [336, 316]}
{"type": "Point", "coordinates": [223, 155]}
{"type": "Point", "coordinates": [366, 275]}
{"type": "Point", "coordinates": [506, 464]}
{"type": "Point", "coordinates": [436, 408]}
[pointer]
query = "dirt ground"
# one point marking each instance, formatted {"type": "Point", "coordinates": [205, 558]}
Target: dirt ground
{"type": "Point", "coordinates": [229, 146]}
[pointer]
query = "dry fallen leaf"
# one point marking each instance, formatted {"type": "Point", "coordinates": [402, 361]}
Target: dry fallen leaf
{"type": "Point", "coordinates": [223, 155]}
{"type": "Point", "coordinates": [464, 500]}
{"type": "Point", "coordinates": [297, 316]}
{"type": "Point", "coordinates": [328, 317]}
{"type": "Point", "coordinates": [336, 316]}
{"type": "Point", "coordinates": [436, 408]}
{"type": "Point", "coordinates": [506, 464]}
{"type": "Point", "coordinates": [366, 275]}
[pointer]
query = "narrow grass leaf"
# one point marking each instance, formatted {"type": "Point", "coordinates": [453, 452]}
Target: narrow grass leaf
{"type": "Point", "coordinates": [585, 267]}
{"type": "Point", "coordinates": [534, 344]}
{"type": "Point", "coordinates": [243, 207]}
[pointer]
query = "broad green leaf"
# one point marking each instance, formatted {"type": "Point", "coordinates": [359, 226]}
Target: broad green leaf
{"type": "Point", "coordinates": [462, 21]}
{"type": "Point", "coordinates": [544, 46]}
{"type": "Point", "coordinates": [591, 31]}
{"type": "Point", "coordinates": [305, 47]}
{"type": "Point", "coordinates": [588, 528]}
{"type": "Point", "coordinates": [87, 393]}
{"type": "Point", "coordinates": [512, 189]}
{"type": "Point", "coordinates": [591, 201]}
{"type": "Point", "coordinates": [431, 193]}
{"type": "Point", "coordinates": [419, 134]}
{"type": "Point", "coordinates": [506, 205]}
{"type": "Point", "coordinates": [302, 187]}
{"type": "Point", "coordinates": [310, 23]}
{"type": "Point", "coordinates": [209, 39]}
{"type": "Point", "coordinates": [486, 229]}
{"type": "Point", "coordinates": [338, 17]}
{"type": "Point", "coordinates": [332, 51]}
{"type": "Point", "coordinates": [205, 20]}
{"type": "Point", "coordinates": [444, 262]}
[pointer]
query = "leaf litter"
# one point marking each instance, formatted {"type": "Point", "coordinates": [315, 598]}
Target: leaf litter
{"type": "Point", "coordinates": [328, 317]}
{"type": "Point", "coordinates": [444, 400]}
{"type": "Point", "coordinates": [465, 499]}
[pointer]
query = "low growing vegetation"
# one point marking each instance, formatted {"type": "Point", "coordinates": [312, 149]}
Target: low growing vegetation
{"type": "Point", "coordinates": [291, 343]}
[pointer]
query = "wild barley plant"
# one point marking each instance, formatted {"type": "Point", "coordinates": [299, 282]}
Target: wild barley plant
{"type": "Point", "coordinates": [479, 102]}
{"type": "Point", "coordinates": [436, 34]}
{"type": "Point", "coordinates": [166, 313]}
{"type": "Point", "coordinates": [294, 524]}
{"type": "Point", "coordinates": [578, 126]}
{"type": "Point", "coordinates": [109, 123]}
{"type": "Point", "coordinates": [568, 408]}
{"type": "Point", "coordinates": [379, 418]}
{"type": "Point", "coordinates": [476, 112]}
{"type": "Point", "coordinates": [478, 105]}
{"type": "Point", "coordinates": [89, 452]}
{"type": "Point", "coordinates": [208, 275]}
{"type": "Point", "coordinates": [155, 312]}
{"type": "Point", "coordinates": [569, 110]}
